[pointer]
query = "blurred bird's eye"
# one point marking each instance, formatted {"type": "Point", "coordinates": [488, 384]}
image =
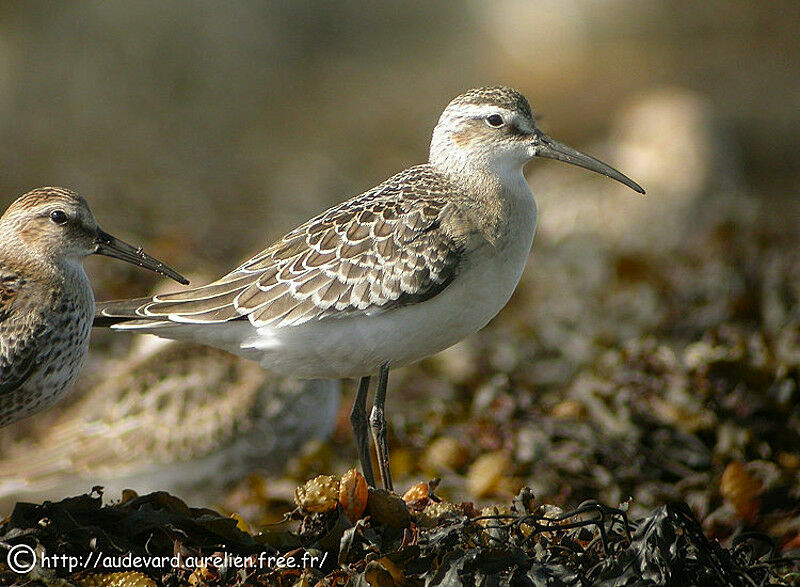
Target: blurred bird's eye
{"type": "Point", "coordinates": [59, 216]}
{"type": "Point", "coordinates": [495, 120]}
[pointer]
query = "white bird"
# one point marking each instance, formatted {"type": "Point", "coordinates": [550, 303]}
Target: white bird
{"type": "Point", "coordinates": [400, 272]}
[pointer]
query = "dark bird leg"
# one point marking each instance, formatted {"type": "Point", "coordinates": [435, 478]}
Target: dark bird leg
{"type": "Point", "coordinates": [360, 424]}
{"type": "Point", "coordinates": [377, 421]}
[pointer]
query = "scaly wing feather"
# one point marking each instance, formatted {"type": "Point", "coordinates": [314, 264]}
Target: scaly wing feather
{"type": "Point", "coordinates": [382, 249]}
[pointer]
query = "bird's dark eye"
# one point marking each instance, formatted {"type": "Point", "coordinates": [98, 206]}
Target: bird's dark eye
{"type": "Point", "coordinates": [495, 120]}
{"type": "Point", "coordinates": [59, 217]}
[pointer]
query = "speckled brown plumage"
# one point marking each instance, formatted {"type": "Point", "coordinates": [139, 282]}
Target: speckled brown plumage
{"type": "Point", "coordinates": [46, 303]}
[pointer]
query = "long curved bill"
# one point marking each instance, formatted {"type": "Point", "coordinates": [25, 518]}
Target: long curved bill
{"type": "Point", "coordinates": [111, 246]}
{"type": "Point", "coordinates": [552, 149]}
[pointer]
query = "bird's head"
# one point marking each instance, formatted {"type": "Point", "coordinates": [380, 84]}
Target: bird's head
{"type": "Point", "coordinates": [493, 130]}
{"type": "Point", "coordinates": [56, 224]}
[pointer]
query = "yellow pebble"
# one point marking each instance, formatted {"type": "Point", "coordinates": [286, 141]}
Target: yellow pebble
{"type": "Point", "coordinates": [320, 494]}
{"type": "Point", "coordinates": [486, 473]}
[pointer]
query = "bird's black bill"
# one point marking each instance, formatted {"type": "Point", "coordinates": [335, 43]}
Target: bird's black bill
{"type": "Point", "coordinates": [111, 246]}
{"type": "Point", "coordinates": [550, 149]}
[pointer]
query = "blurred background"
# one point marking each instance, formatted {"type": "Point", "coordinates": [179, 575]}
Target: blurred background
{"type": "Point", "coordinates": [651, 351]}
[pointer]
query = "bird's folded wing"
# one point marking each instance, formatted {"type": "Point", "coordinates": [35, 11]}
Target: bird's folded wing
{"type": "Point", "coordinates": [13, 375]}
{"type": "Point", "coordinates": [385, 248]}
{"type": "Point", "coordinates": [18, 353]}
{"type": "Point", "coordinates": [10, 284]}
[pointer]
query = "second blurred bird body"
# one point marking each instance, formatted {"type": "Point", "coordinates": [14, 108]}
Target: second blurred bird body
{"type": "Point", "coordinates": [46, 301]}
{"type": "Point", "coordinates": [168, 417]}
